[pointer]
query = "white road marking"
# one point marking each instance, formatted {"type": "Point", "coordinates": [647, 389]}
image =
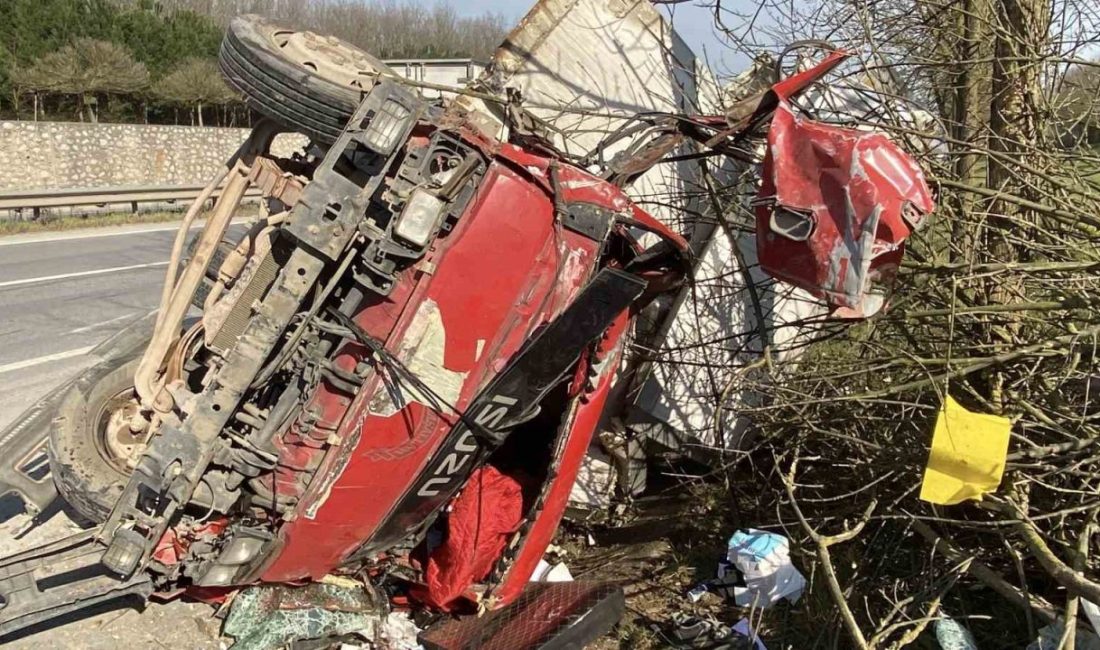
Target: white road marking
{"type": "Point", "coordinates": [80, 274]}
{"type": "Point", "coordinates": [15, 240]}
{"type": "Point", "coordinates": [101, 324]}
{"type": "Point", "coordinates": [57, 356]}
{"type": "Point", "coordinates": [107, 231]}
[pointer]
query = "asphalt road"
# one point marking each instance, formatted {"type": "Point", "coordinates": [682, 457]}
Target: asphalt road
{"type": "Point", "coordinates": [60, 295]}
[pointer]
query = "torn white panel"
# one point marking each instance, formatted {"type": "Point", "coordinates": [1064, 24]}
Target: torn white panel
{"type": "Point", "coordinates": [546, 572]}
{"type": "Point", "coordinates": [586, 66]}
{"type": "Point", "coordinates": [595, 482]}
{"type": "Point", "coordinates": [710, 340]}
{"type": "Point", "coordinates": [422, 351]}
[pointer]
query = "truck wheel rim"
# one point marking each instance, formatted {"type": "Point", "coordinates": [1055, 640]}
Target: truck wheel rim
{"type": "Point", "coordinates": [327, 57]}
{"type": "Point", "coordinates": [116, 443]}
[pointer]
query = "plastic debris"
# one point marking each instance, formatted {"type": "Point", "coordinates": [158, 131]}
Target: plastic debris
{"type": "Point", "coordinates": [1050, 638]}
{"type": "Point", "coordinates": [744, 629]}
{"type": "Point", "coordinates": [967, 457]}
{"type": "Point", "coordinates": [688, 631]}
{"type": "Point", "coordinates": [764, 561]}
{"type": "Point", "coordinates": [951, 635]}
{"type": "Point", "coordinates": [546, 572]}
{"type": "Point", "coordinates": [398, 632]}
{"type": "Point", "coordinates": [728, 579]}
{"type": "Point", "coordinates": [1092, 612]}
{"type": "Point", "coordinates": [273, 616]}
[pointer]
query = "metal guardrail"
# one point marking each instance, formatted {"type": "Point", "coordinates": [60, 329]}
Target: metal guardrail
{"type": "Point", "coordinates": [37, 200]}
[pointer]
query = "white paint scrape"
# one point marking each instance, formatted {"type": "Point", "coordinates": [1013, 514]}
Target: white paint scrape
{"type": "Point", "coordinates": [422, 351]}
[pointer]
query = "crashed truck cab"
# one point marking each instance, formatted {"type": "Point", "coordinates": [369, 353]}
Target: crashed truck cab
{"type": "Point", "coordinates": [398, 369]}
{"type": "Point", "coordinates": [415, 339]}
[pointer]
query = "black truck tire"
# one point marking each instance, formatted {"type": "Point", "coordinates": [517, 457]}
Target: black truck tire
{"type": "Point", "coordinates": [84, 476]}
{"type": "Point", "coordinates": [309, 83]}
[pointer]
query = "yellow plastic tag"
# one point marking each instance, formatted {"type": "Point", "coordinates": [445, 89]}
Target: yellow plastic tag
{"type": "Point", "coordinates": [968, 455]}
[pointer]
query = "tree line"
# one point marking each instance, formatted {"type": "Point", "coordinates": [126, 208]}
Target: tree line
{"type": "Point", "coordinates": [388, 29]}
{"type": "Point", "coordinates": [156, 60]}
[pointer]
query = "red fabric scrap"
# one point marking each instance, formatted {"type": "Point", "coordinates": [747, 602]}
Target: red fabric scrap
{"type": "Point", "coordinates": [482, 519]}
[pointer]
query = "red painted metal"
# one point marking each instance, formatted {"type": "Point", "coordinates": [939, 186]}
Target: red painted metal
{"type": "Point", "coordinates": [173, 546]}
{"type": "Point", "coordinates": [796, 83]}
{"type": "Point", "coordinates": [587, 410]}
{"type": "Point", "coordinates": [507, 268]}
{"type": "Point", "coordinates": [834, 210]}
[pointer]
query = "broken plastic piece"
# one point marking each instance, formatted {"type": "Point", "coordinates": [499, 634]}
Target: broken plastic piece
{"type": "Point", "coordinates": [967, 457]}
{"type": "Point", "coordinates": [546, 572]}
{"type": "Point", "coordinates": [764, 560]}
{"type": "Point", "coordinates": [744, 629]}
{"type": "Point", "coordinates": [951, 635]}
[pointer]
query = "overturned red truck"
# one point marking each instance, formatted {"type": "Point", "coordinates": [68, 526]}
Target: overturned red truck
{"type": "Point", "coordinates": [393, 376]}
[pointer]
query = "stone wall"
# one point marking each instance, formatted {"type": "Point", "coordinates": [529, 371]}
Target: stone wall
{"type": "Point", "coordinates": [40, 155]}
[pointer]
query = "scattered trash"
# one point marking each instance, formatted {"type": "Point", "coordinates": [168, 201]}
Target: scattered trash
{"type": "Point", "coordinates": [1050, 638]}
{"type": "Point", "coordinates": [728, 579]}
{"type": "Point", "coordinates": [1092, 612]}
{"type": "Point", "coordinates": [691, 632]}
{"type": "Point", "coordinates": [952, 635]}
{"type": "Point", "coordinates": [763, 559]}
{"type": "Point", "coordinates": [546, 572]}
{"type": "Point", "coordinates": [967, 456]}
{"type": "Point", "coordinates": [277, 615]}
{"type": "Point", "coordinates": [398, 632]}
{"type": "Point", "coordinates": [744, 629]}
{"type": "Point", "coordinates": [725, 567]}
{"type": "Point", "coordinates": [697, 591]}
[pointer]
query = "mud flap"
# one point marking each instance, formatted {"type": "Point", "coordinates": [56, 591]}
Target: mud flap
{"type": "Point", "coordinates": [57, 579]}
{"type": "Point", "coordinates": [546, 616]}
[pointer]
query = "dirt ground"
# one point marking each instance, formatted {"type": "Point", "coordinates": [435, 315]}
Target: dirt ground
{"type": "Point", "coordinates": [657, 550]}
{"type": "Point", "coordinates": [169, 625]}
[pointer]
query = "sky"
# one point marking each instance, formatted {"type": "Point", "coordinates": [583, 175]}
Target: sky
{"type": "Point", "coordinates": [692, 21]}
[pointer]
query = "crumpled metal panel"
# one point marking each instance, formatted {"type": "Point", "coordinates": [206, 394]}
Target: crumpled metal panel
{"type": "Point", "coordinates": [834, 210]}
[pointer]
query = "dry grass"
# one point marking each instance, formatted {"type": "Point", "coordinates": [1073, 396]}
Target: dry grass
{"type": "Point", "coordinates": [93, 221]}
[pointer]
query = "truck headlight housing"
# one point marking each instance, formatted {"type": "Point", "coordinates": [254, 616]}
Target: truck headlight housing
{"type": "Point", "coordinates": [419, 221]}
{"type": "Point", "coordinates": [386, 127]}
